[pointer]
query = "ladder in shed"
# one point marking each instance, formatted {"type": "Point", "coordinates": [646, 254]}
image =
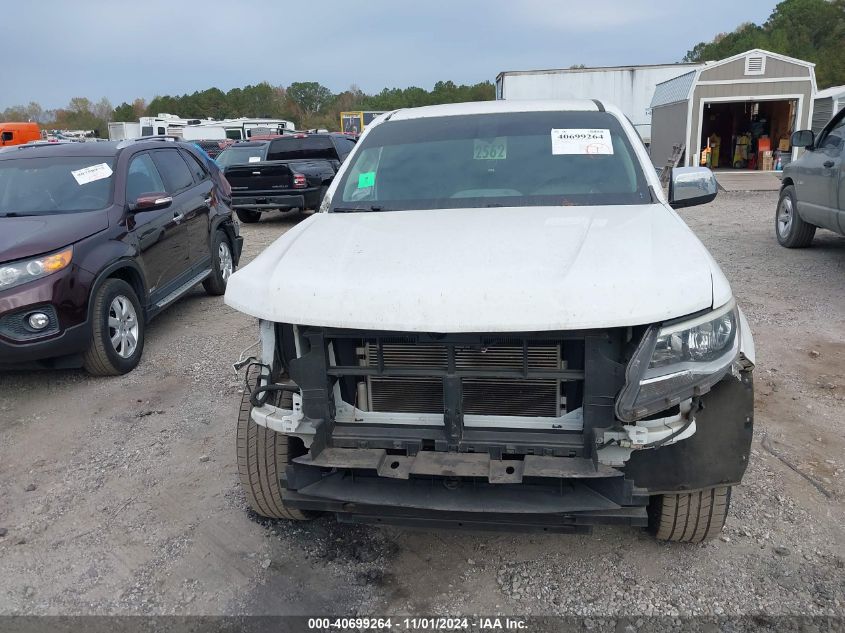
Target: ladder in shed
{"type": "Point", "coordinates": [674, 159]}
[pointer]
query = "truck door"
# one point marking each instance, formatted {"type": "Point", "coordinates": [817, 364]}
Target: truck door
{"type": "Point", "coordinates": [818, 189]}
{"type": "Point", "coordinates": [834, 144]}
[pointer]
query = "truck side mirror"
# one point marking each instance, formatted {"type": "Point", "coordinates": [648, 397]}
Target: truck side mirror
{"type": "Point", "coordinates": [803, 138]}
{"type": "Point", "coordinates": [690, 186]}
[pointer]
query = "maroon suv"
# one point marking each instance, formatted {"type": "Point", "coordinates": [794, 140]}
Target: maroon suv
{"type": "Point", "coordinates": [98, 238]}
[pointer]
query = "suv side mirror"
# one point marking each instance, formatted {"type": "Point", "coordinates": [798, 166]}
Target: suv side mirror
{"type": "Point", "coordinates": [803, 138]}
{"type": "Point", "coordinates": [151, 202]}
{"type": "Point", "coordinates": [690, 186]}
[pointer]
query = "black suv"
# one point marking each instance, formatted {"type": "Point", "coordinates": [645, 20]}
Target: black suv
{"type": "Point", "coordinates": [98, 238]}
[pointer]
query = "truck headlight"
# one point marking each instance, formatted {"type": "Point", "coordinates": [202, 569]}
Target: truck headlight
{"type": "Point", "coordinates": [678, 361]}
{"type": "Point", "coordinates": [17, 273]}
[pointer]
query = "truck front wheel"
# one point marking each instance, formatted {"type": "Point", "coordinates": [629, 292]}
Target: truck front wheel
{"type": "Point", "coordinates": [262, 457]}
{"type": "Point", "coordinates": [690, 517]}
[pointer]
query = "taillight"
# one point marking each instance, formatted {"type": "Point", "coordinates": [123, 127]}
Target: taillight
{"type": "Point", "coordinates": [299, 181]}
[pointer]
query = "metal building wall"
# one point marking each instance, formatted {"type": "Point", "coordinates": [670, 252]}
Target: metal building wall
{"type": "Point", "coordinates": [668, 128]}
{"type": "Point", "coordinates": [629, 88]}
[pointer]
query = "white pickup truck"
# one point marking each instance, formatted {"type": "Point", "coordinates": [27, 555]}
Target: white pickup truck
{"type": "Point", "coordinates": [497, 320]}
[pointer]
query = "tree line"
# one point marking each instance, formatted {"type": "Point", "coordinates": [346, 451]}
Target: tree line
{"type": "Point", "coordinates": [812, 30]}
{"type": "Point", "coordinates": [308, 104]}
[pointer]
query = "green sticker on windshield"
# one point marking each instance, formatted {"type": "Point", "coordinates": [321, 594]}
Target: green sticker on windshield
{"type": "Point", "coordinates": [366, 179]}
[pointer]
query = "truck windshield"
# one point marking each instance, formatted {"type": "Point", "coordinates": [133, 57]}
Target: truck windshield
{"type": "Point", "coordinates": [241, 155]}
{"type": "Point", "coordinates": [504, 159]}
{"type": "Point", "coordinates": [59, 184]}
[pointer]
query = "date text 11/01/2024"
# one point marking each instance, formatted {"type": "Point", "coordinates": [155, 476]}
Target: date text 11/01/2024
{"type": "Point", "coordinates": [417, 624]}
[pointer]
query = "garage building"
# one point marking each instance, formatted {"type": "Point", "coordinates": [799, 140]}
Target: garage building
{"type": "Point", "coordinates": [827, 103]}
{"type": "Point", "coordinates": [743, 104]}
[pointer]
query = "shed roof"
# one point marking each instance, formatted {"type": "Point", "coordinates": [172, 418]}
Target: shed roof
{"type": "Point", "coordinates": [673, 90]}
{"type": "Point", "coordinates": [835, 92]}
{"type": "Point", "coordinates": [760, 51]}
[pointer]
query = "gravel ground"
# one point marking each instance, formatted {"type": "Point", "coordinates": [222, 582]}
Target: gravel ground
{"type": "Point", "coordinates": [120, 496]}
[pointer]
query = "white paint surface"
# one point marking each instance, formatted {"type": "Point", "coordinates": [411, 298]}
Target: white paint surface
{"type": "Point", "coordinates": [481, 270]}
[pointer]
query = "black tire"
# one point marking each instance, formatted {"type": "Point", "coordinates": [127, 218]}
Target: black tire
{"type": "Point", "coordinates": [689, 517]}
{"type": "Point", "coordinates": [262, 457]}
{"type": "Point", "coordinates": [215, 284]}
{"type": "Point", "coordinates": [790, 229]}
{"type": "Point", "coordinates": [101, 358]}
{"type": "Point", "coordinates": [248, 217]}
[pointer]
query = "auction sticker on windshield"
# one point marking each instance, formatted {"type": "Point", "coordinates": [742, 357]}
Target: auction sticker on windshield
{"type": "Point", "coordinates": [490, 149]}
{"type": "Point", "coordinates": [581, 141]}
{"type": "Point", "coordinates": [366, 180]}
{"type": "Point", "coordinates": [90, 174]}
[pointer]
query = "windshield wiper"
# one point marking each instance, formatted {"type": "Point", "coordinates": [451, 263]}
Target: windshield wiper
{"type": "Point", "coordinates": [15, 214]}
{"type": "Point", "coordinates": [373, 207]}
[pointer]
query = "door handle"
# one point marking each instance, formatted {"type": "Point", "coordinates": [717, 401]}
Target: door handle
{"type": "Point", "coordinates": [178, 217]}
{"type": "Point", "coordinates": [828, 163]}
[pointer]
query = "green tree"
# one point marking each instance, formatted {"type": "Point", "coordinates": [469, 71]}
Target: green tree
{"type": "Point", "coordinates": [813, 30]}
{"type": "Point", "coordinates": [124, 112]}
{"type": "Point", "coordinates": [310, 96]}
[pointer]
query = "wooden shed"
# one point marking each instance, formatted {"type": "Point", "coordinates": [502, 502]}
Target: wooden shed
{"type": "Point", "coordinates": [738, 105]}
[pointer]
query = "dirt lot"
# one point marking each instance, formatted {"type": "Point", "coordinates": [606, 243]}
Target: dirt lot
{"type": "Point", "coordinates": [120, 496]}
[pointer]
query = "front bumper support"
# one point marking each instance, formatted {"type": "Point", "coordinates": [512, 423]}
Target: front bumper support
{"type": "Point", "coordinates": [445, 464]}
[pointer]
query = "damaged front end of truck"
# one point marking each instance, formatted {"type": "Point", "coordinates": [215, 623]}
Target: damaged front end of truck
{"type": "Point", "coordinates": [549, 431]}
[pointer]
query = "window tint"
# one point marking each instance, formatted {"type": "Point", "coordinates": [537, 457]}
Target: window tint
{"type": "Point", "coordinates": [196, 168]}
{"type": "Point", "coordinates": [510, 159]}
{"type": "Point", "coordinates": [344, 146]}
{"type": "Point", "coordinates": [242, 155]}
{"type": "Point", "coordinates": [835, 139]}
{"type": "Point", "coordinates": [176, 174]}
{"type": "Point", "coordinates": [291, 148]}
{"type": "Point", "coordinates": [143, 177]}
{"type": "Point", "coordinates": [58, 184]}
{"type": "Point", "coordinates": [147, 130]}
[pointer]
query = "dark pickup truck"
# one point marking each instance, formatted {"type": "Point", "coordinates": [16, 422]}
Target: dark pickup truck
{"type": "Point", "coordinates": [289, 172]}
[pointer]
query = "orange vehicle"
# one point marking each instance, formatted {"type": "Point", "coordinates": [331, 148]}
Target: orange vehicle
{"type": "Point", "coordinates": [19, 133]}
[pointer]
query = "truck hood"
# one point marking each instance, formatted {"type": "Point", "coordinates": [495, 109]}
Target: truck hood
{"type": "Point", "coordinates": [482, 270]}
{"type": "Point", "coordinates": [34, 235]}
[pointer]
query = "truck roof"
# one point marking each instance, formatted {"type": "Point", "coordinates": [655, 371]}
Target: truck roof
{"type": "Point", "coordinates": [493, 107]}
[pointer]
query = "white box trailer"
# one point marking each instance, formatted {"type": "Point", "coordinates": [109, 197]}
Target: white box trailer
{"type": "Point", "coordinates": [630, 88]}
{"type": "Point", "coordinates": [121, 131]}
{"type": "Point", "coordinates": [203, 133]}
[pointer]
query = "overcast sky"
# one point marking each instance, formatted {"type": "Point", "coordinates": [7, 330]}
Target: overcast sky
{"type": "Point", "coordinates": [57, 49]}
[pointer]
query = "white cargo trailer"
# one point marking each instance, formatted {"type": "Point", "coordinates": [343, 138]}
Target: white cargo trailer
{"type": "Point", "coordinates": [120, 131]}
{"type": "Point", "coordinates": [630, 88]}
{"type": "Point", "coordinates": [203, 133]}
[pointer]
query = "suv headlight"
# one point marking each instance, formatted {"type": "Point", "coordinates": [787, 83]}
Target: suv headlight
{"type": "Point", "coordinates": [678, 361]}
{"type": "Point", "coordinates": [17, 273]}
